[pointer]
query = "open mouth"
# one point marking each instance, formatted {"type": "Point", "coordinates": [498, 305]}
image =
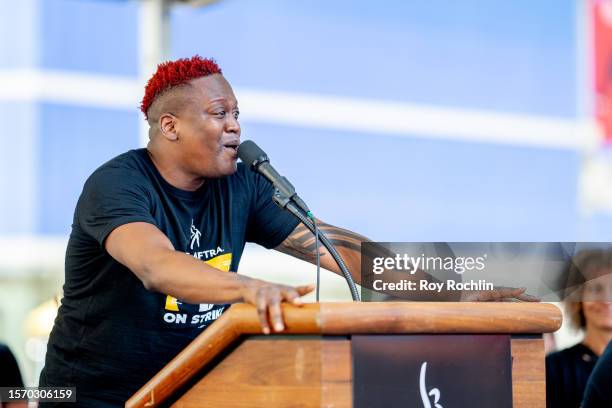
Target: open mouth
{"type": "Point", "coordinates": [232, 146]}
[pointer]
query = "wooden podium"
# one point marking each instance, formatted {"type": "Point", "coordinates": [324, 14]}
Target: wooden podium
{"type": "Point", "coordinates": [231, 364]}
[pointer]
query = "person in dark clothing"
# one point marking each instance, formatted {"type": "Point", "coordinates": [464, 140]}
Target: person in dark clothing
{"type": "Point", "coordinates": [598, 392]}
{"type": "Point", "coordinates": [10, 376]}
{"type": "Point", "coordinates": [567, 373]}
{"type": "Point", "coordinates": [157, 238]}
{"type": "Point", "coordinates": [589, 310]}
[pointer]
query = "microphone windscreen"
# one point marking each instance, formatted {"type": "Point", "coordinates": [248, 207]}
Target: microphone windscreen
{"type": "Point", "coordinates": [250, 153]}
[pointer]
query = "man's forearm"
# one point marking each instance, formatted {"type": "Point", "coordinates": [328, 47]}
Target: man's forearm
{"type": "Point", "coordinates": [149, 254]}
{"type": "Point", "coordinates": [301, 244]}
{"type": "Point", "coordinates": [191, 280]}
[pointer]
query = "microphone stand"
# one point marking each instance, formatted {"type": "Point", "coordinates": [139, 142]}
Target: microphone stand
{"type": "Point", "coordinates": [286, 203]}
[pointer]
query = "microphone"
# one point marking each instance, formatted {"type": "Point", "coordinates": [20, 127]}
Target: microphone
{"type": "Point", "coordinates": [258, 161]}
{"type": "Point", "coordinates": [286, 197]}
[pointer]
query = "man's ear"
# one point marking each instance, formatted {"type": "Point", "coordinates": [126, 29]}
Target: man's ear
{"type": "Point", "coordinates": [168, 126]}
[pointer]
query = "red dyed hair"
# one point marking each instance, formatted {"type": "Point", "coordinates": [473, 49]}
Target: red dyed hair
{"type": "Point", "coordinates": [174, 73]}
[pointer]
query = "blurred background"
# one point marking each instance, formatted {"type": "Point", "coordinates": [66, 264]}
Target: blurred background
{"type": "Point", "coordinates": [479, 120]}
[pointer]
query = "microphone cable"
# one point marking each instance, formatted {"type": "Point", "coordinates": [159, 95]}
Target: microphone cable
{"type": "Point", "coordinates": [293, 209]}
{"type": "Point", "coordinates": [316, 228]}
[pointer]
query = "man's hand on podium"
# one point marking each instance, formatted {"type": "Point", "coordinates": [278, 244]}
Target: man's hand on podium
{"type": "Point", "coordinates": [498, 294]}
{"type": "Point", "coordinates": [267, 298]}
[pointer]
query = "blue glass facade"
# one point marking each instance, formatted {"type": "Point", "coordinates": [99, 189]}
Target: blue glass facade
{"type": "Point", "coordinates": [494, 56]}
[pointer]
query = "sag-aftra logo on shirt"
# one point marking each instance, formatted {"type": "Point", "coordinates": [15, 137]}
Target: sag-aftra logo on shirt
{"type": "Point", "coordinates": [177, 313]}
{"type": "Point", "coordinates": [195, 236]}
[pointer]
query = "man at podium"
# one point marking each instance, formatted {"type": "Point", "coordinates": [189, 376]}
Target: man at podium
{"type": "Point", "coordinates": [157, 237]}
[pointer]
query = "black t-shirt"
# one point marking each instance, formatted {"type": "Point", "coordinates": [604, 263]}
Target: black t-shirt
{"type": "Point", "coordinates": [10, 376]}
{"type": "Point", "coordinates": [567, 372]}
{"type": "Point", "coordinates": [112, 335]}
{"type": "Point", "coordinates": [598, 392]}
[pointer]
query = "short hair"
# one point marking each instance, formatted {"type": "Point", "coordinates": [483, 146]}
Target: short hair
{"type": "Point", "coordinates": [584, 266]}
{"type": "Point", "coordinates": [171, 74]}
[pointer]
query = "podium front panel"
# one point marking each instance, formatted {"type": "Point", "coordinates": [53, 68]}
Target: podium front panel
{"type": "Point", "coordinates": [316, 371]}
